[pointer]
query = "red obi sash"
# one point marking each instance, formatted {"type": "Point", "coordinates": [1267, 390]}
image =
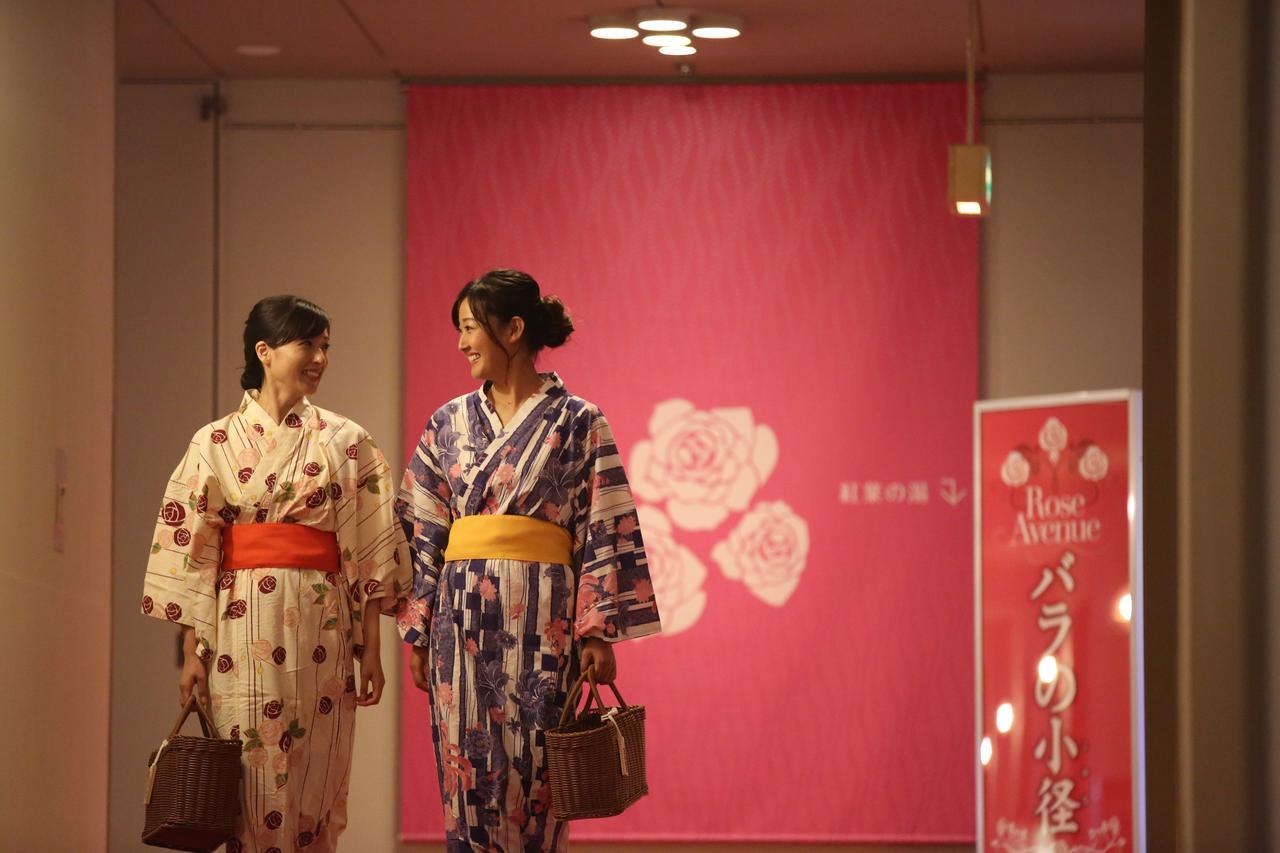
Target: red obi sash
{"type": "Point", "coordinates": [278, 546]}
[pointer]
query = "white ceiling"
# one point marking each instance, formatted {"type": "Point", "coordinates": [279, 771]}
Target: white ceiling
{"type": "Point", "coordinates": [522, 39]}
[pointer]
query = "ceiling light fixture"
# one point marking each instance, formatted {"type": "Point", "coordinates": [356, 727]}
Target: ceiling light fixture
{"type": "Point", "coordinates": [613, 28]}
{"type": "Point", "coordinates": [258, 51]}
{"type": "Point", "coordinates": [969, 165]}
{"type": "Point", "coordinates": [666, 40]}
{"type": "Point", "coordinates": [659, 19]}
{"type": "Point", "coordinates": [717, 26]}
{"type": "Point", "coordinates": [662, 27]}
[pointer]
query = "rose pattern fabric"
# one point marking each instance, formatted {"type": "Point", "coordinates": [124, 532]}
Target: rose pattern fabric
{"type": "Point", "coordinates": [280, 654]}
{"type": "Point", "coordinates": [505, 634]}
{"type": "Point", "coordinates": [704, 464]}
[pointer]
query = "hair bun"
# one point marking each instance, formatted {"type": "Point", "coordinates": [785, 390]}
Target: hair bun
{"type": "Point", "coordinates": [556, 324]}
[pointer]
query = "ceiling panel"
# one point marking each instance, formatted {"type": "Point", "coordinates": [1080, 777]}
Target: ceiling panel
{"type": "Point", "coordinates": [548, 38]}
{"type": "Point", "coordinates": [1084, 35]}
{"type": "Point", "coordinates": [318, 38]}
{"type": "Point", "coordinates": [797, 37]}
{"type": "Point", "coordinates": [148, 48]}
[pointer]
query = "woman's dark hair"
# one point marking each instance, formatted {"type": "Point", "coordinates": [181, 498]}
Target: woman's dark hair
{"type": "Point", "coordinates": [503, 294]}
{"type": "Point", "coordinates": [277, 320]}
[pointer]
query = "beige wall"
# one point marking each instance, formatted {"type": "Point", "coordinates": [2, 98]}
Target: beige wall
{"type": "Point", "coordinates": [163, 393]}
{"type": "Point", "coordinates": [57, 113]}
{"type": "Point", "coordinates": [1061, 302]}
{"type": "Point", "coordinates": [311, 177]}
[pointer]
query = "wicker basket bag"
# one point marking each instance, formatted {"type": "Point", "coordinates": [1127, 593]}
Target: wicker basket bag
{"type": "Point", "coordinates": [595, 759]}
{"type": "Point", "coordinates": [193, 787]}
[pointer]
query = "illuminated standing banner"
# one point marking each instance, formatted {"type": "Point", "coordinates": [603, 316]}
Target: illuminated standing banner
{"type": "Point", "coordinates": [1059, 601]}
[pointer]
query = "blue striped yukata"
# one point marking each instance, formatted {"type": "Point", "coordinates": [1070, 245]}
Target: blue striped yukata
{"type": "Point", "coordinates": [505, 634]}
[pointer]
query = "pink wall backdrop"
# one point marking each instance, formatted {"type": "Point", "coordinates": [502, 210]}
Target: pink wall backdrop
{"type": "Point", "coordinates": [779, 317]}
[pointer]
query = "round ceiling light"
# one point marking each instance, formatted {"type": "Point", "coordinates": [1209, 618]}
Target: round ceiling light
{"type": "Point", "coordinates": [678, 50]}
{"type": "Point", "coordinates": [659, 19]}
{"type": "Point", "coordinates": [718, 27]}
{"type": "Point", "coordinates": [613, 27]}
{"type": "Point", "coordinates": [666, 40]}
{"type": "Point", "coordinates": [258, 50]}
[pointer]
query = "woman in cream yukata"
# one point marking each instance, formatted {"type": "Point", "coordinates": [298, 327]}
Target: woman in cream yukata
{"type": "Point", "coordinates": [498, 640]}
{"type": "Point", "coordinates": [276, 549]}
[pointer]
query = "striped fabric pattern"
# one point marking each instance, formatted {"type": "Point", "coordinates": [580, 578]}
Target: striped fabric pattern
{"type": "Point", "coordinates": [505, 634]}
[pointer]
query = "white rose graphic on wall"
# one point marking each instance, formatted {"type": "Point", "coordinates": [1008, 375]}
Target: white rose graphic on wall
{"type": "Point", "coordinates": [677, 573]}
{"type": "Point", "coordinates": [767, 551]}
{"type": "Point", "coordinates": [703, 463]}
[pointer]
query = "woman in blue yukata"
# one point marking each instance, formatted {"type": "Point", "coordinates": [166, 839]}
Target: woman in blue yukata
{"type": "Point", "coordinates": [528, 565]}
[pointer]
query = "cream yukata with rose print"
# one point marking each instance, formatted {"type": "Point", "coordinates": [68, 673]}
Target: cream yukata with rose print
{"type": "Point", "coordinates": [279, 645]}
{"type": "Point", "coordinates": [504, 634]}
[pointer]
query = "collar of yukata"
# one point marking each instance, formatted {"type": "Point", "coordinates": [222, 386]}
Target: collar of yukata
{"type": "Point", "coordinates": [550, 380]}
{"type": "Point", "coordinates": [299, 415]}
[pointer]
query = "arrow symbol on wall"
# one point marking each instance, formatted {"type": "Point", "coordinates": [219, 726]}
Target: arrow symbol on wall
{"type": "Point", "coordinates": [951, 491]}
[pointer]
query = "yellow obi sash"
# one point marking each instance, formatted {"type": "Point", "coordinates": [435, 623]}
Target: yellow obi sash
{"type": "Point", "coordinates": [509, 537]}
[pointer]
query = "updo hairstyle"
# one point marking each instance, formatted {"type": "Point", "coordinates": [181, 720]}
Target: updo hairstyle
{"type": "Point", "coordinates": [500, 295]}
{"type": "Point", "coordinates": [277, 320]}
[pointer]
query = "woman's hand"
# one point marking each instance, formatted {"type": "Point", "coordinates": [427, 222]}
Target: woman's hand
{"type": "Point", "coordinates": [372, 678]}
{"type": "Point", "coordinates": [596, 652]}
{"type": "Point", "coordinates": [420, 667]}
{"type": "Point", "coordinates": [193, 675]}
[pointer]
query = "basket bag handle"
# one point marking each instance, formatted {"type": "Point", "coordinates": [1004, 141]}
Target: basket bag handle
{"type": "Point", "coordinates": [606, 715]}
{"type": "Point", "coordinates": [588, 677]}
{"type": "Point", "coordinates": [206, 724]}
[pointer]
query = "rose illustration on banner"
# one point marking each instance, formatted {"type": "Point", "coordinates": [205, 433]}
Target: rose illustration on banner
{"type": "Point", "coordinates": [704, 463]}
{"type": "Point", "coordinates": [1012, 838]}
{"type": "Point", "coordinates": [1056, 462]}
{"type": "Point", "coordinates": [676, 571]}
{"type": "Point", "coordinates": [1053, 438]}
{"type": "Point", "coordinates": [1093, 464]}
{"type": "Point", "coordinates": [1015, 470]}
{"type": "Point", "coordinates": [767, 551]}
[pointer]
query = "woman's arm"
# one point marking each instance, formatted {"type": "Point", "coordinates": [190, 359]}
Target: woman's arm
{"type": "Point", "coordinates": [423, 506]}
{"type": "Point", "coordinates": [372, 678]}
{"type": "Point", "coordinates": [186, 548]}
{"type": "Point", "coordinates": [193, 673]}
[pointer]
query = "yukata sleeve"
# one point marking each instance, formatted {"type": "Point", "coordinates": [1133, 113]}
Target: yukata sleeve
{"type": "Point", "coordinates": [375, 557]}
{"type": "Point", "coordinates": [181, 583]}
{"type": "Point", "coordinates": [423, 509]}
{"type": "Point", "coordinates": [615, 594]}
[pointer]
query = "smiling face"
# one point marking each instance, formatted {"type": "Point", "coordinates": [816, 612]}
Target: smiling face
{"type": "Point", "coordinates": [297, 367]}
{"type": "Point", "coordinates": [487, 359]}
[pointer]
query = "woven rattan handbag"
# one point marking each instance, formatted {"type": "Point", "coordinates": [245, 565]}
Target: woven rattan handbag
{"type": "Point", "coordinates": [193, 787]}
{"type": "Point", "coordinates": [595, 759]}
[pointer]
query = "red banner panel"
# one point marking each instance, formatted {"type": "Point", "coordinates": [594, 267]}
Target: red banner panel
{"type": "Point", "coordinates": [1059, 604]}
{"type": "Point", "coordinates": [777, 314]}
